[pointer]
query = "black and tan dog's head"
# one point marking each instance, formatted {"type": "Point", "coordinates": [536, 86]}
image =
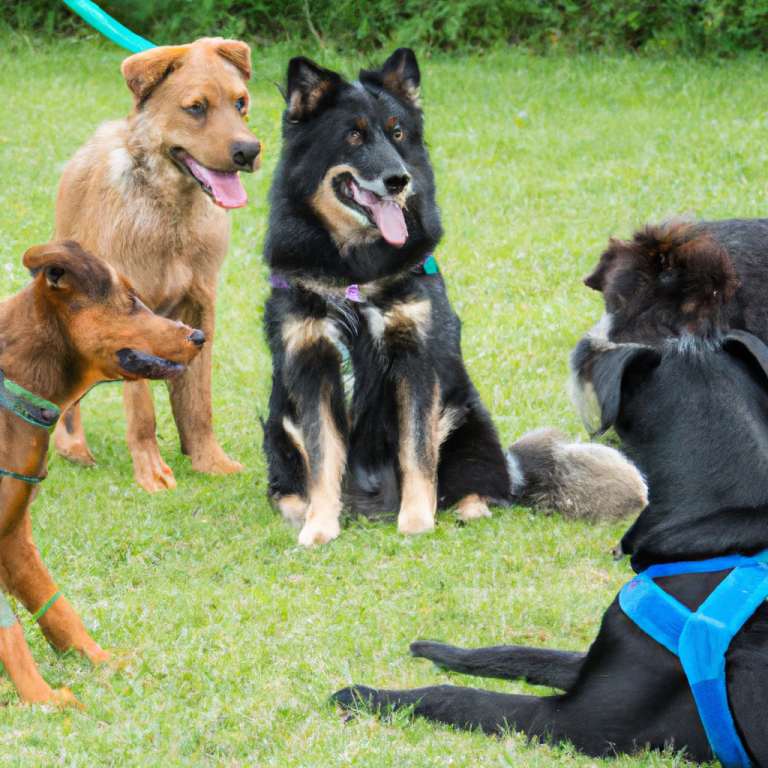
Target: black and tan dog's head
{"type": "Point", "coordinates": [354, 158]}
{"type": "Point", "coordinates": [693, 416]}
{"type": "Point", "coordinates": [670, 279]}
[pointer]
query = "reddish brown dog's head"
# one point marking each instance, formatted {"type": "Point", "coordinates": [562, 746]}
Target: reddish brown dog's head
{"type": "Point", "coordinates": [670, 279]}
{"type": "Point", "coordinates": [106, 332]}
{"type": "Point", "coordinates": [191, 101]}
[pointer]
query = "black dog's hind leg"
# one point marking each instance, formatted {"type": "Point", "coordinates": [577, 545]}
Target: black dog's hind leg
{"type": "Point", "coordinates": [308, 405]}
{"type": "Point", "coordinates": [472, 470]}
{"type": "Point", "coordinates": [537, 666]}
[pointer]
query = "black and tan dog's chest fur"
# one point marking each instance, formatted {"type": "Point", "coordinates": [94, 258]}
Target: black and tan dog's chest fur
{"type": "Point", "coordinates": [353, 203]}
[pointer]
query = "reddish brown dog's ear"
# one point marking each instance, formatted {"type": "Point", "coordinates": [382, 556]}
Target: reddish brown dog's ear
{"type": "Point", "coordinates": [237, 52]}
{"type": "Point", "coordinates": [64, 265]}
{"type": "Point", "coordinates": [143, 71]}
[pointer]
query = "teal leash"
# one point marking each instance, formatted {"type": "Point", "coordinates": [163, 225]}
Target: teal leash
{"type": "Point", "coordinates": [108, 27]}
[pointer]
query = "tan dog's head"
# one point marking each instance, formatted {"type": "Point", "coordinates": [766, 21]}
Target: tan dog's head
{"type": "Point", "coordinates": [107, 332]}
{"type": "Point", "coordinates": [192, 100]}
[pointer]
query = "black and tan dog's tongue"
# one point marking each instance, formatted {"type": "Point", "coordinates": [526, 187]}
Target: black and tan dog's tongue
{"type": "Point", "coordinates": [387, 214]}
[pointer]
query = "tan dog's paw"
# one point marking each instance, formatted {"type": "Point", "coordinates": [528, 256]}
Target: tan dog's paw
{"type": "Point", "coordinates": [216, 462]}
{"type": "Point", "coordinates": [415, 521]}
{"type": "Point", "coordinates": [319, 532]}
{"type": "Point", "coordinates": [152, 473]}
{"type": "Point", "coordinates": [472, 507]}
{"type": "Point", "coordinates": [64, 699]}
{"type": "Point", "coordinates": [74, 451]}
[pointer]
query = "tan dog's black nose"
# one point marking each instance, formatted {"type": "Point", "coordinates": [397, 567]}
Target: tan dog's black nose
{"type": "Point", "coordinates": [243, 154]}
{"type": "Point", "coordinates": [197, 338]}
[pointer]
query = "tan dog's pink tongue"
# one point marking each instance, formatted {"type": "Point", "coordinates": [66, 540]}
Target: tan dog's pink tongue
{"type": "Point", "coordinates": [227, 189]}
{"type": "Point", "coordinates": [387, 214]}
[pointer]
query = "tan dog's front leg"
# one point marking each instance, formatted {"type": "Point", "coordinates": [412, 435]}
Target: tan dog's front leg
{"type": "Point", "coordinates": [418, 422]}
{"type": "Point", "coordinates": [151, 472]}
{"type": "Point", "coordinates": [26, 578]}
{"type": "Point", "coordinates": [191, 401]}
{"type": "Point", "coordinates": [69, 439]}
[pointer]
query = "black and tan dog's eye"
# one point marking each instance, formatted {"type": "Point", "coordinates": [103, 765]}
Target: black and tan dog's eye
{"type": "Point", "coordinates": [195, 109]}
{"type": "Point", "coordinates": [240, 104]}
{"type": "Point", "coordinates": [398, 134]}
{"type": "Point", "coordinates": [355, 137]}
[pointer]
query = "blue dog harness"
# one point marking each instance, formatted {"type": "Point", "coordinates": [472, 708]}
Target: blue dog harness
{"type": "Point", "coordinates": [700, 639]}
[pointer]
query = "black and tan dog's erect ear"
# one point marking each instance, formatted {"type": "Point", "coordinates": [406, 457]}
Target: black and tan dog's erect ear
{"type": "Point", "coordinates": [235, 51]}
{"type": "Point", "coordinates": [596, 278]}
{"type": "Point", "coordinates": [399, 75]}
{"type": "Point", "coordinates": [63, 265]}
{"type": "Point", "coordinates": [143, 71]}
{"type": "Point", "coordinates": [309, 88]}
{"type": "Point", "coordinates": [603, 373]}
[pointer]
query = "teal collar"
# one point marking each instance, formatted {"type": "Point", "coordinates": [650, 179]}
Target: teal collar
{"type": "Point", "coordinates": [29, 407]}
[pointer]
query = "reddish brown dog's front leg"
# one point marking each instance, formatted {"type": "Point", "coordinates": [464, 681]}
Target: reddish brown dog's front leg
{"type": "Point", "coordinates": [191, 401]}
{"type": "Point", "coordinates": [25, 577]}
{"type": "Point", "coordinates": [21, 668]}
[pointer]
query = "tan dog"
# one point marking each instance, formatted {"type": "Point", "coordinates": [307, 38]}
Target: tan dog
{"type": "Point", "coordinates": [76, 324]}
{"type": "Point", "coordinates": [147, 195]}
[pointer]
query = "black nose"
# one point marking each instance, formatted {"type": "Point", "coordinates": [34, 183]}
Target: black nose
{"type": "Point", "coordinates": [396, 184]}
{"type": "Point", "coordinates": [197, 338]}
{"type": "Point", "coordinates": [243, 153]}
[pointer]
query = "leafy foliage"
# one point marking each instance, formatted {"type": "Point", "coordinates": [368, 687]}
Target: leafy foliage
{"type": "Point", "coordinates": [690, 26]}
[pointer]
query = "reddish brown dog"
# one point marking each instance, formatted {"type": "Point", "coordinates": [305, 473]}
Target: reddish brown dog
{"type": "Point", "coordinates": [147, 194]}
{"type": "Point", "coordinates": [78, 323]}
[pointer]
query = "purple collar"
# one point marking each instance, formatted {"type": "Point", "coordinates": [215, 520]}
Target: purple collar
{"type": "Point", "coordinates": [352, 292]}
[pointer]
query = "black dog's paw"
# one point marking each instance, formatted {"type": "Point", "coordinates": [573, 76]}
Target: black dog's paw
{"type": "Point", "coordinates": [428, 649]}
{"type": "Point", "coordinates": [356, 697]}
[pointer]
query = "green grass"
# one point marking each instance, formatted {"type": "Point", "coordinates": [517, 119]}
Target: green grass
{"type": "Point", "coordinates": [228, 639]}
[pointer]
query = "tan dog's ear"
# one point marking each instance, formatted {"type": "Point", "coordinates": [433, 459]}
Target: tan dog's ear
{"type": "Point", "coordinates": [64, 265]}
{"type": "Point", "coordinates": [237, 52]}
{"type": "Point", "coordinates": [143, 71]}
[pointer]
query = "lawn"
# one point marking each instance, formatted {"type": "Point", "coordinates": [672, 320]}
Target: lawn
{"type": "Point", "coordinates": [228, 638]}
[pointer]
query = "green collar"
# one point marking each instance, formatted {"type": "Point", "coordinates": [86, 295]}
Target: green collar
{"type": "Point", "coordinates": [29, 407]}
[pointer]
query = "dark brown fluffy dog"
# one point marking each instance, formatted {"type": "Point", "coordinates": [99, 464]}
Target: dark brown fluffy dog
{"type": "Point", "coordinates": [147, 194]}
{"type": "Point", "coordinates": [677, 278]}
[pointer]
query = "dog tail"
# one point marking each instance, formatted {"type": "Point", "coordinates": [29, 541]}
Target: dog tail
{"type": "Point", "coordinates": [584, 481]}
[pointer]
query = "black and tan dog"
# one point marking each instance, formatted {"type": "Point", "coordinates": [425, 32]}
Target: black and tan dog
{"type": "Point", "coordinates": [78, 323]}
{"type": "Point", "coordinates": [352, 226]}
{"type": "Point", "coordinates": [694, 416]}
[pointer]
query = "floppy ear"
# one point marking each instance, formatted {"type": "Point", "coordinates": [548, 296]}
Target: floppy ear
{"type": "Point", "coordinates": [606, 373]}
{"type": "Point", "coordinates": [236, 52]}
{"type": "Point", "coordinates": [309, 87]}
{"type": "Point", "coordinates": [742, 344]}
{"type": "Point", "coordinates": [399, 75]}
{"type": "Point", "coordinates": [63, 265]}
{"type": "Point", "coordinates": [596, 279]}
{"type": "Point", "coordinates": [143, 71]}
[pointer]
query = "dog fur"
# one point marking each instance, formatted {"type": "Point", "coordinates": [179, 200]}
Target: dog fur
{"type": "Point", "coordinates": [130, 197]}
{"type": "Point", "coordinates": [78, 323]}
{"type": "Point", "coordinates": [353, 203]}
{"type": "Point", "coordinates": [695, 278]}
{"type": "Point", "coordinates": [708, 497]}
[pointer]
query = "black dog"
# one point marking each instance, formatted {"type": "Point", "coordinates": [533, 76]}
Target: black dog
{"type": "Point", "coordinates": [694, 415]}
{"type": "Point", "coordinates": [352, 226]}
{"type": "Point", "coordinates": [697, 278]}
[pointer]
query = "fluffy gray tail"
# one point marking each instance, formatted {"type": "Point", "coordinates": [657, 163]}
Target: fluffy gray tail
{"type": "Point", "coordinates": [584, 481]}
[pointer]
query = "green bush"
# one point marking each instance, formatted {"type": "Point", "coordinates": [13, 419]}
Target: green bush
{"type": "Point", "coordinates": [691, 26]}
